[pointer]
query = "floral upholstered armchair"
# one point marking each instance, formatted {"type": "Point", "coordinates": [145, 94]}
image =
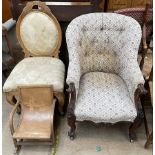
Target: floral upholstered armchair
{"type": "Point", "coordinates": [104, 78]}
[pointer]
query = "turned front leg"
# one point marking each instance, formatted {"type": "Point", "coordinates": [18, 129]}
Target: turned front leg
{"type": "Point", "coordinates": [71, 122]}
{"type": "Point", "coordinates": [71, 119]}
{"type": "Point", "coordinates": [140, 116]}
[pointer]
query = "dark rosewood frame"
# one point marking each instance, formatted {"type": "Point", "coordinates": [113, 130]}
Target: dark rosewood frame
{"type": "Point", "coordinates": [71, 118]}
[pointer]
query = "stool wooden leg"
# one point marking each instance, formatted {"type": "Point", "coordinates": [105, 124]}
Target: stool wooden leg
{"type": "Point", "coordinates": [17, 147]}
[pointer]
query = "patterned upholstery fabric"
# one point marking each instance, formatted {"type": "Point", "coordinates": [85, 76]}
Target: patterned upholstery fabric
{"type": "Point", "coordinates": [104, 97]}
{"type": "Point", "coordinates": [37, 71]}
{"type": "Point", "coordinates": [104, 42]}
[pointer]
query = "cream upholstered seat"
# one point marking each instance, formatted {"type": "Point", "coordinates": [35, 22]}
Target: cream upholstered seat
{"type": "Point", "coordinates": [37, 71]}
{"type": "Point", "coordinates": [103, 73]}
{"type": "Point", "coordinates": [106, 99]}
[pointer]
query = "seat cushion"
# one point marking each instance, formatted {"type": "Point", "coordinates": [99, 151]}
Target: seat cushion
{"type": "Point", "coordinates": [104, 97]}
{"type": "Point", "coordinates": [37, 71]}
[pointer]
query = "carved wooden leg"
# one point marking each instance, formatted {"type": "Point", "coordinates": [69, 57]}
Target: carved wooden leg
{"type": "Point", "coordinates": [140, 91]}
{"type": "Point", "coordinates": [70, 111]}
{"type": "Point", "coordinates": [60, 98]}
{"type": "Point", "coordinates": [17, 147]}
{"type": "Point", "coordinates": [137, 123]}
{"type": "Point", "coordinates": [71, 122]}
{"type": "Point", "coordinates": [149, 140]}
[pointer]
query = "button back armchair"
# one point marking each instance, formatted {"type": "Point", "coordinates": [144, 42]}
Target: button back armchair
{"type": "Point", "coordinates": [104, 79]}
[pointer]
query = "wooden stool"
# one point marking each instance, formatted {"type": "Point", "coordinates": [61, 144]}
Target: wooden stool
{"type": "Point", "coordinates": [37, 117]}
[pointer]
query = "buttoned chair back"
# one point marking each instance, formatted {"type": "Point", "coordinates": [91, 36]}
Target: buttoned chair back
{"type": "Point", "coordinates": [102, 42]}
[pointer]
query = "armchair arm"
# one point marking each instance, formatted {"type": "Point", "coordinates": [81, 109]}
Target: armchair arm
{"type": "Point", "coordinates": [139, 92]}
{"type": "Point", "coordinates": [72, 98]}
{"type": "Point", "coordinates": [74, 73]}
{"type": "Point", "coordinates": [133, 77]}
{"type": "Point", "coordinates": [11, 117]}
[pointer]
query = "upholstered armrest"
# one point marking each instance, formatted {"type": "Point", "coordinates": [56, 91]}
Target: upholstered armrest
{"type": "Point", "coordinates": [132, 75]}
{"type": "Point", "coordinates": [73, 39]}
{"type": "Point", "coordinates": [74, 73]}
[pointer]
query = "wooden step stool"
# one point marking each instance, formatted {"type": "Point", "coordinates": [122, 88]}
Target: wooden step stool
{"type": "Point", "coordinates": [37, 116]}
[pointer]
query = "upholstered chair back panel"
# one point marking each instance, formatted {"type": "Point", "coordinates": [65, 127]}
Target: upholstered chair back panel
{"type": "Point", "coordinates": [39, 33]}
{"type": "Point", "coordinates": [103, 41]}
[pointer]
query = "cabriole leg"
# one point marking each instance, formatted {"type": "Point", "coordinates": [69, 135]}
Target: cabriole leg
{"type": "Point", "coordinates": [71, 122]}
{"type": "Point", "coordinates": [136, 124]}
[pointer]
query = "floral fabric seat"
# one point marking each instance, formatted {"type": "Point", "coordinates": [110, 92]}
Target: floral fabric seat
{"type": "Point", "coordinates": [104, 97]}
